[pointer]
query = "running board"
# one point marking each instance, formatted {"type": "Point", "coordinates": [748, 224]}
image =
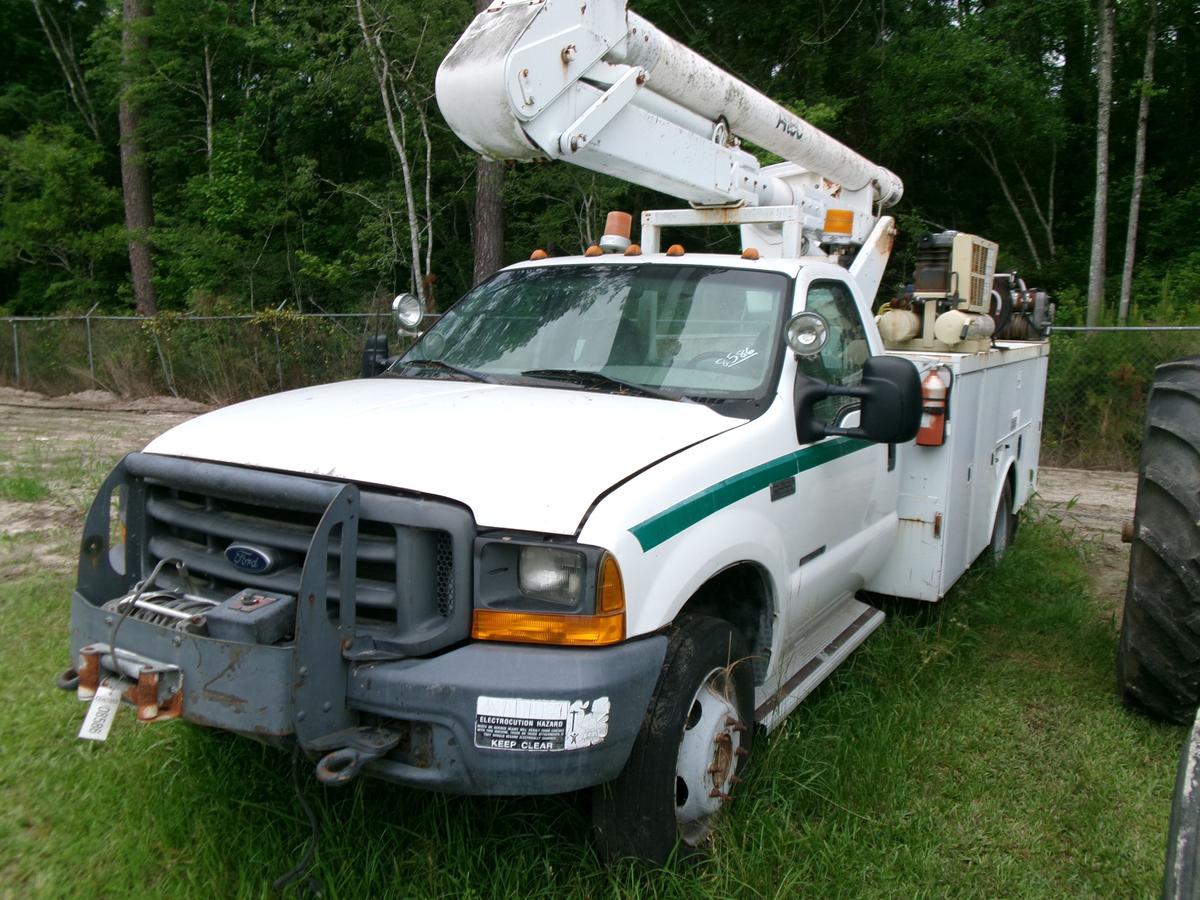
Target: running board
{"type": "Point", "coordinates": [815, 658]}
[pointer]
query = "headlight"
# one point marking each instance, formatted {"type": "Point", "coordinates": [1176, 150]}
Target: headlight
{"type": "Point", "coordinates": [529, 590]}
{"type": "Point", "coordinates": [548, 573]}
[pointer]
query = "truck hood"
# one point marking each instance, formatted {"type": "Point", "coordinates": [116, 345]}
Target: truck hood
{"type": "Point", "coordinates": [525, 458]}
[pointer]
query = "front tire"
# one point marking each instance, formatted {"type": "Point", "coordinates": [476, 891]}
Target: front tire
{"type": "Point", "coordinates": [694, 741]}
{"type": "Point", "coordinates": [1158, 662]}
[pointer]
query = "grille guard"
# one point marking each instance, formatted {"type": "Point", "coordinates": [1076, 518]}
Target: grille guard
{"type": "Point", "coordinates": [324, 645]}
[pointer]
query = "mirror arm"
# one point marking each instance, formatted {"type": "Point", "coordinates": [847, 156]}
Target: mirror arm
{"type": "Point", "coordinates": [838, 391]}
{"type": "Point", "coordinates": [809, 429]}
{"type": "Point", "coordinates": [834, 431]}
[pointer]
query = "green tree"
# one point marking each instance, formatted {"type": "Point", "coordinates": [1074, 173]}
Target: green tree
{"type": "Point", "coordinates": [58, 219]}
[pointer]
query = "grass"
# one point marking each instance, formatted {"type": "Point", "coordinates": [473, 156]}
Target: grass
{"type": "Point", "coordinates": [975, 749]}
{"type": "Point", "coordinates": [22, 488]}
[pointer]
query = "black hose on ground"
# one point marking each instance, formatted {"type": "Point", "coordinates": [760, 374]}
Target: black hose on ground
{"type": "Point", "coordinates": [310, 886]}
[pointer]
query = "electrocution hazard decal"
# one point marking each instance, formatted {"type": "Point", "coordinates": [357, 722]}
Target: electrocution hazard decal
{"type": "Point", "coordinates": [515, 723]}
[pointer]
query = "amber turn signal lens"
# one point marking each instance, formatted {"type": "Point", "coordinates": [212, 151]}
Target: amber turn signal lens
{"type": "Point", "coordinates": [610, 591]}
{"type": "Point", "coordinates": [548, 628]}
{"type": "Point", "coordinates": [839, 221]}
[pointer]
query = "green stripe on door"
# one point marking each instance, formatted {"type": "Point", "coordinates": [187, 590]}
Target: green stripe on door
{"type": "Point", "coordinates": [665, 525]}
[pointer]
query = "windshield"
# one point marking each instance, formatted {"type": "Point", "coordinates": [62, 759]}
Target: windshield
{"type": "Point", "coordinates": [702, 332]}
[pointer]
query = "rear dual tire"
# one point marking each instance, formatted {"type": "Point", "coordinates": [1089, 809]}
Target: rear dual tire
{"type": "Point", "coordinates": [1004, 525]}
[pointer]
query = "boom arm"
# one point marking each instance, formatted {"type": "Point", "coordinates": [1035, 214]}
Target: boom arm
{"type": "Point", "coordinates": [605, 89]}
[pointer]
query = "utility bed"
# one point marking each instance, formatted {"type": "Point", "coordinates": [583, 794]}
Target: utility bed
{"type": "Point", "coordinates": [947, 493]}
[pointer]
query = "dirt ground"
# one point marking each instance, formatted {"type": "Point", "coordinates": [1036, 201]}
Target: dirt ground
{"type": "Point", "coordinates": [62, 447]}
{"type": "Point", "coordinates": [1095, 504]}
{"type": "Point", "coordinates": [68, 443]}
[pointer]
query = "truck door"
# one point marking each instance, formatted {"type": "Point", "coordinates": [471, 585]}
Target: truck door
{"type": "Point", "coordinates": [833, 526]}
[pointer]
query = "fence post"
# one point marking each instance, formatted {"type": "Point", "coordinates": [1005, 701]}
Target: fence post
{"type": "Point", "coordinates": [163, 362]}
{"type": "Point", "coordinates": [278, 359]}
{"type": "Point", "coordinates": [87, 324]}
{"type": "Point", "coordinates": [16, 356]}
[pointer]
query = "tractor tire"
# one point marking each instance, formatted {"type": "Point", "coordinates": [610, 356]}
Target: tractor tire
{"type": "Point", "coordinates": [693, 744]}
{"type": "Point", "coordinates": [1158, 660]}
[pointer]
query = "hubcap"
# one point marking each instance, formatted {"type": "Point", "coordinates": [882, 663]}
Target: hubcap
{"type": "Point", "coordinates": [708, 757]}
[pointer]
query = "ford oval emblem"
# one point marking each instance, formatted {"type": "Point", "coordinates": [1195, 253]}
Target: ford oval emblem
{"type": "Point", "coordinates": [255, 560]}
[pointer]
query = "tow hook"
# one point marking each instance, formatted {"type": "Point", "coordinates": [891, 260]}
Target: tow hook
{"type": "Point", "coordinates": [355, 747]}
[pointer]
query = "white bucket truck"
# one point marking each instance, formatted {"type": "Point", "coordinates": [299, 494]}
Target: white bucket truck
{"type": "Point", "coordinates": [613, 512]}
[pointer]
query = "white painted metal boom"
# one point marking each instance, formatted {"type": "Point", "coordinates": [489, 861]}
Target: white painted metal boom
{"type": "Point", "coordinates": [682, 75]}
{"type": "Point", "coordinates": [603, 88]}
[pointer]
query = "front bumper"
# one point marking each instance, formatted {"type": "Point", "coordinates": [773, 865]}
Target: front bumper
{"type": "Point", "coordinates": [451, 739]}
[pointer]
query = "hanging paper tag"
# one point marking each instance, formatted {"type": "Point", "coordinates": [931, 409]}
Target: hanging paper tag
{"type": "Point", "coordinates": [101, 712]}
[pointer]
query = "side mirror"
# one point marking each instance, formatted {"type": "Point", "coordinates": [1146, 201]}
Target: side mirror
{"type": "Point", "coordinates": [890, 395]}
{"type": "Point", "coordinates": [375, 355]}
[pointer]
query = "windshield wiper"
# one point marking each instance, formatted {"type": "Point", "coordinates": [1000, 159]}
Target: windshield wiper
{"type": "Point", "coordinates": [586, 378]}
{"type": "Point", "coordinates": [447, 367]}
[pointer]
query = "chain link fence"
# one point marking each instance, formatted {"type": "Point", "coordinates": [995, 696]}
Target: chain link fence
{"type": "Point", "coordinates": [215, 359]}
{"type": "Point", "coordinates": [1096, 391]}
{"type": "Point", "coordinates": [1095, 396]}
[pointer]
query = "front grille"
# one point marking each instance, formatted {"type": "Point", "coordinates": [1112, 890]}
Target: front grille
{"type": "Point", "coordinates": [198, 529]}
{"type": "Point", "coordinates": [444, 571]}
{"type": "Point", "coordinates": [411, 569]}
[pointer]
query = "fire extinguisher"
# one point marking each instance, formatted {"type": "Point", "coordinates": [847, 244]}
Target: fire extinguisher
{"type": "Point", "coordinates": [935, 397]}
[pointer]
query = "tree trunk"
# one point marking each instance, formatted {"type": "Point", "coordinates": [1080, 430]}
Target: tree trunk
{"type": "Point", "coordinates": [393, 112]}
{"type": "Point", "coordinates": [209, 111]}
{"type": "Point", "coordinates": [1047, 219]}
{"type": "Point", "coordinates": [135, 174]}
{"type": "Point", "coordinates": [489, 217]}
{"type": "Point", "coordinates": [488, 236]}
{"type": "Point", "coordinates": [988, 154]}
{"type": "Point", "coordinates": [64, 52]}
{"type": "Point", "coordinates": [1104, 65]}
{"type": "Point", "coordinates": [1139, 165]}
